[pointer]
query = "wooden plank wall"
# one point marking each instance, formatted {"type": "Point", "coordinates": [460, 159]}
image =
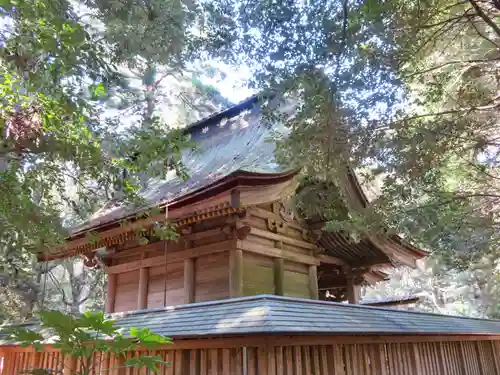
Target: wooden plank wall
{"type": "Point", "coordinates": [296, 280]}
{"type": "Point", "coordinates": [258, 274]}
{"type": "Point", "coordinates": [223, 357]}
{"type": "Point", "coordinates": [272, 263]}
{"type": "Point", "coordinates": [127, 287]}
{"type": "Point", "coordinates": [211, 277]}
{"type": "Point", "coordinates": [165, 285]}
{"type": "Point", "coordinates": [259, 270]}
{"type": "Point", "coordinates": [174, 283]}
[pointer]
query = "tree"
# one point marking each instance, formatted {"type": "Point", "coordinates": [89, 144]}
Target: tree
{"type": "Point", "coordinates": [442, 156]}
{"type": "Point", "coordinates": [73, 288]}
{"type": "Point", "coordinates": [56, 72]}
{"type": "Point", "coordinates": [57, 163]}
{"type": "Point", "coordinates": [85, 338]}
{"type": "Point", "coordinates": [404, 92]}
{"type": "Point", "coordinates": [443, 289]}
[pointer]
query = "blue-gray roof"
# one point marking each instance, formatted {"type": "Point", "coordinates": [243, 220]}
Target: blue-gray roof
{"type": "Point", "coordinates": [267, 314]}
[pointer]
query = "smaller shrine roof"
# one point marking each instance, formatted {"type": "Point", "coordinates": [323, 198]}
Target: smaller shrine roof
{"type": "Point", "coordinates": [267, 314]}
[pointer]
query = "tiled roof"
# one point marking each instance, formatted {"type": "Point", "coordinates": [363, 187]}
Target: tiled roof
{"type": "Point", "coordinates": [266, 314]}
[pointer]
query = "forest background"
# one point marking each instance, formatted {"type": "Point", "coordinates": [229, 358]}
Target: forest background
{"type": "Point", "coordinates": [404, 91]}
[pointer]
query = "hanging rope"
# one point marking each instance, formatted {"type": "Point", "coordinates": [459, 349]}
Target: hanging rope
{"type": "Point", "coordinates": [44, 286]}
{"type": "Point", "coordinates": [165, 265]}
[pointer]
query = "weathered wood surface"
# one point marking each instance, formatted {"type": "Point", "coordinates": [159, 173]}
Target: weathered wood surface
{"type": "Point", "coordinates": [290, 356]}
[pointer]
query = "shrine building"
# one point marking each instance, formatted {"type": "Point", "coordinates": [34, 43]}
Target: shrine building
{"type": "Point", "coordinates": [251, 286]}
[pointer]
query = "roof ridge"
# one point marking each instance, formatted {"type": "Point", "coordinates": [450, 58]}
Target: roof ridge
{"type": "Point", "coordinates": [229, 112]}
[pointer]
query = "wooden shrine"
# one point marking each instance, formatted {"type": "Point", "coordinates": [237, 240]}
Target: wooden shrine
{"type": "Point", "coordinates": [250, 287]}
{"type": "Point", "coordinates": [239, 233]}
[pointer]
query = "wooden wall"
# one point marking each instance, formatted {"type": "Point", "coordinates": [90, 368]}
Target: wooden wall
{"type": "Point", "coordinates": [263, 246]}
{"type": "Point", "coordinates": [173, 283]}
{"type": "Point", "coordinates": [280, 355]}
{"type": "Point", "coordinates": [212, 277]}
{"type": "Point", "coordinates": [273, 261]}
{"type": "Point", "coordinates": [126, 291]}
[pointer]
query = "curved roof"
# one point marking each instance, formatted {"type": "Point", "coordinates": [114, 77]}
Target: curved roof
{"type": "Point", "coordinates": [237, 143]}
{"type": "Point", "coordinates": [232, 141]}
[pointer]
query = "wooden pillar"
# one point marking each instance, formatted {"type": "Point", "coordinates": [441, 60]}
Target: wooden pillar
{"type": "Point", "coordinates": [69, 365]}
{"type": "Point", "coordinates": [236, 273]}
{"type": "Point", "coordinates": [142, 295]}
{"type": "Point", "coordinates": [189, 280]}
{"type": "Point", "coordinates": [313, 282]}
{"type": "Point", "coordinates": [353, 289]}
{"type": "Point", "coordinates": [279, 276]}
{"type": "Point", "coordinates": [111, 293]}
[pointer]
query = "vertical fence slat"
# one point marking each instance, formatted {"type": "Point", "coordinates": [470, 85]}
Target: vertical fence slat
{"type": "Point", "coordinates": [280, 369]}
{"type": "Point", "coordinates": [203, 362]}
{"type": "Point", "coordinates": [416, 358]}
{"type": "Point", "coordinates": [297, 360]}
{"type": "Point", "coordinates": [251, 361]}
{"type": "Point", "coordinates": [288, 358]}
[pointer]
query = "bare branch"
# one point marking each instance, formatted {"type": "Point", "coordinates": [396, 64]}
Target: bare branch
{"type": "Point", "coordinates": [485, 17]}
{"type": "Point", "coordinates": [453, 62]}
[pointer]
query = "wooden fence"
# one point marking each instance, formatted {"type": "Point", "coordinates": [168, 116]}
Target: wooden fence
{"type": "Point", "coordinates": [301, 355]}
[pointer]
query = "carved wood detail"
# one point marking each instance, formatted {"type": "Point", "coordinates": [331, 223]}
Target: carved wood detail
{"type": "Point", "coordinates": [276, 226]}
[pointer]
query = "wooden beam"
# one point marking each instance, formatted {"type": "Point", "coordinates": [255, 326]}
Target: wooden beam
{"type": "Point", "coordinates": [194, 252]}
{"type": "Point", "coordinates": [284, 239]}
{"type": "Point", "coordinates": [236, 273]}
{"type": "Point", "coordinates": [328, 259]}
{"type": "Point", "coordinates": [189, 281]}
{"type": "Point", "coordinates": [353, 290]}
{"type": "Point", "coordinates": [111, 293]}
{"type": "Point", "coordinates": [279, 276]}
{"type": "Point", "coordinates": [264, 214]}
{"type": "Point", "coordinates": [313, 282]}
{"type": "Point", "coordinates": [276, 253]}
{"type": "Point", "coordinates": [142, 295]}
{"type": "Point", "coordinates": [160, 245]}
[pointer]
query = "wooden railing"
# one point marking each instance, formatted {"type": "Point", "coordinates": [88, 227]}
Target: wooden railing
{"type": "Point", "coordinates": [301, 355]}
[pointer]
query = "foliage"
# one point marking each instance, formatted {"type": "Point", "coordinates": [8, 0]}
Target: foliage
{"type": "Point", "coordinates": [49, 128]}
{"type": "Point", "coordinates": [403, 92]}
{"type": "Point", "coordinates": [440, 154]}
{"type": "Point", "coordinates": [445, 290]}
{"type": "Point", "coordinates": [84, 337]}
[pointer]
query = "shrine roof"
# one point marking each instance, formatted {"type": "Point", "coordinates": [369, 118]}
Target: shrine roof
{"type": "Point", "coordinates": [266, 314]}
{"type": "Point", "coordinates": [234, 141]}
{"type": "Point", "coordinates": [236, 146]}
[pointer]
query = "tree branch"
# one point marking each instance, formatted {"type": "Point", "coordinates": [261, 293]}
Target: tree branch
{"type": "Point", "coordinates": [453, 111]}
{"type": "Point", "coordinates": [453, 62]}
{"type": "Point", "coordinates": [485, 17]}
{"type": "Point", "coordinates": [482, 35]}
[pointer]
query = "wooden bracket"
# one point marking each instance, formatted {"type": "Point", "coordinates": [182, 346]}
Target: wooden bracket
{"type": "Point", "coordinates": [238, 230]}
{"type": "Point", "coordinates": [90, 260]}
{"type": "Point", "coordinates": [187, 230]}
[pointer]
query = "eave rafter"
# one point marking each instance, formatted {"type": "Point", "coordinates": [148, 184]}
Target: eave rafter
{"type": "Point", "coordinates": [236, 199]}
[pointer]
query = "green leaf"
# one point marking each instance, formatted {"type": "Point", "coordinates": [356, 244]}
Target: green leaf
{"type": "Point", "coordinates": [150, 362]}
{"type": "Point", "coordinates": [99, 90]}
